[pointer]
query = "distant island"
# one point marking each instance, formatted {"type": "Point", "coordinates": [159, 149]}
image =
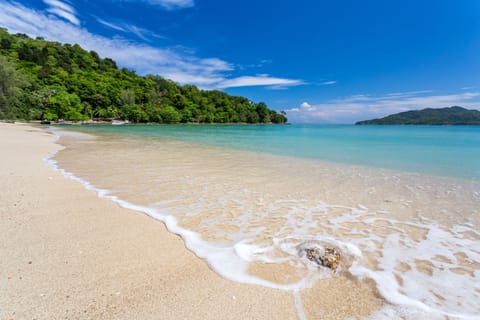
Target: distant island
{"type": "Point", "coordinates": [444, 116]}
{"type": "Point", "coordinates": [44, 80]}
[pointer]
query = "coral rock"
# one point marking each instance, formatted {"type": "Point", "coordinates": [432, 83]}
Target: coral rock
{"type": "Point", "coordinates": [328, 257]}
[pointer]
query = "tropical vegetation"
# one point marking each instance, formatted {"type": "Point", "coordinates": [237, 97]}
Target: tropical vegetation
{"type": "Point", "coordinates": [41, 79]}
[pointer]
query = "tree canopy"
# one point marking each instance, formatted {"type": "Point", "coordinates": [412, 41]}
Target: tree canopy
{"type": "Point", "coordinates": [40, 79]}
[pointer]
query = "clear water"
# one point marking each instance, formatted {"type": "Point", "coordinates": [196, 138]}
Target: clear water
{"type": "Point", "coordinates": [250, 199]}
{"type": "Point", "coordinates": [439, 150]}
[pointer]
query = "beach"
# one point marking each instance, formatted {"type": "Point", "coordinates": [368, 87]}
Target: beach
{"type": "Point", "coordinates": [164, 159]}
{"type": "Point", "coordinates": [68, 254]}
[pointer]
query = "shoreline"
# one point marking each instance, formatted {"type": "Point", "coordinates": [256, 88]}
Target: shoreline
{"type": "Point", "coordinates": [71, 254]}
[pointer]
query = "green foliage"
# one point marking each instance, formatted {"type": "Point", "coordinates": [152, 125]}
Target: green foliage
{"type": "Point", "coordinates": [169, 114]}
{"type": "Point", "coordinates": [65, 105]}
{"type": "Point", "coordinates": [14, 97]}
{"type": "Point", "coordinates": [429, 116]}
{"type": "Point", "coordinates": [47, 80]}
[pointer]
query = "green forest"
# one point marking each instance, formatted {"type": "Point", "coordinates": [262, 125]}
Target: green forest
{"type": "Point", "coordinates": [44, 80]}
{"type": "Point", "coordinates": [443, 116]}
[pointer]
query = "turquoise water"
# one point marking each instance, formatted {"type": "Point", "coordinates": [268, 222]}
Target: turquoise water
{"type": "Point", "coordinates": [438, 150]}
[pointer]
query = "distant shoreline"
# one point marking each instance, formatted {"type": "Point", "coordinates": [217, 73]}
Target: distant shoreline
{"type": "Point", "coordinates": [102, 122]}
{"type": "Point", "coordinates": [437, 117]}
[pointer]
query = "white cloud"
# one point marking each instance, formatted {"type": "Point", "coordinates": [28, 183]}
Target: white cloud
{"type": "Point", "coordinates": [60, 5]}
{"type": "Point", "coordinates": [362, 107]}
{"type": "Point", "coordinates": [141, 33]}
{"type": "Point", "coordinates": [176, 64]}
{"type": "Point", "coordinates": [111, 25]}
{"type": "Point", "coordinates": [173, 4]}
{"type": "Point", "coordinates": [407, 94]}
{"type": "Point", "coordinates": [259, 80]}
{"type": "Point", "coordinates": [328, 83]}
{"type": "Point", "coordinates": [306, 106]}
{"type": "Point", "coordinates": [62, 10]}
{"type": "Point", "coordinates": [168, 4]}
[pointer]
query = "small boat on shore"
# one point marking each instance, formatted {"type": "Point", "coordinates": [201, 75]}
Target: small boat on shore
{"type": "Point", "coordinates": [118, 122]}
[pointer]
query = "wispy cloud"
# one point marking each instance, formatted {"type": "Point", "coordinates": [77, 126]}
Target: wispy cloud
{"type": "Point", "coordinates": [168, 4]}
{"type": "Point", "coordinates": [62, 10]}
{"type": "Point", "coordinates": [259, 64]}
{"type": "Point", "coordinates": [361, 107]}
{"type": "Point", "coordinates": [111, 25]}
{"type": "Point", "coordinates": [407, 94]}
{"type": "Point", "coordinates": [327, 83]}
{"type": "Point", "coordinates": [141, 33]}
{"type": "Point", "coordinates": [259, 80]}
{"type": "Point", "coordinates": [173, 63]}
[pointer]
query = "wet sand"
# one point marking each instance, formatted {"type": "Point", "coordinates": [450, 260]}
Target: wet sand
{"type": "Point", "coordinates": [68, 254]}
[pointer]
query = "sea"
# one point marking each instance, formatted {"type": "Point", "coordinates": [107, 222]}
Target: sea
{"type": "Point", "coordinates": [400, 203]}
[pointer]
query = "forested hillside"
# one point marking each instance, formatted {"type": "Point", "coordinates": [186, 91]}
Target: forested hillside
{"type": "Point", "coordinates": [40, 79]}
{"type": "Point", "coordinates": [444, 116]}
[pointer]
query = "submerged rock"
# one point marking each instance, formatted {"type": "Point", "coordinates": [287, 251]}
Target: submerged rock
{"type": "Point", "coordinates": [327, 257]}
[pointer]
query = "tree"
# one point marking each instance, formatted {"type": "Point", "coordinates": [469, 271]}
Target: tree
{"type": "Point", "coordinates": [66, 105]}
{"type": "Point", "coordinates": [5, 43]}
{"type": "Point", "coordinates": [169, 114]}
{"type": "Point", "coordinates": [263, 112]}
{"type": "Point", "coordinates": [12, 83]}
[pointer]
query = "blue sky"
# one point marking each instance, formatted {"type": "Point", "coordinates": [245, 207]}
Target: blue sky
{"type": "Point", "coordinates": [321, 61]}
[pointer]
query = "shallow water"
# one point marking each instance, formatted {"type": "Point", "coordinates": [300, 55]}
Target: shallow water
{"type": "Point", "coordinates": [251, 214]}
{"type": "Point", "coordinates": [439, 150]}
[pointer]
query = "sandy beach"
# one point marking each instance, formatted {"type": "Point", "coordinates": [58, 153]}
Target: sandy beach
{"type": "Point", "coordinates": [68, 254]}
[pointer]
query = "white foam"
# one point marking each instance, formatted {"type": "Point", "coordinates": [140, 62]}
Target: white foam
{"type": "Point", "coordinates": [422, 291]}
{"type": "Point", "coordinates": [298, 305]}
{"type": "Point", "coordinates": [59, 132]}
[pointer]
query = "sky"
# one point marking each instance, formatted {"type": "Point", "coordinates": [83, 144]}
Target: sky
{"type": "Point", "coordinates": [320, 61]}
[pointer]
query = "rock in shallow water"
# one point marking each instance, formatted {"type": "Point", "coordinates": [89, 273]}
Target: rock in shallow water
{"type": "Point", "coordinates": [327, 257]}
